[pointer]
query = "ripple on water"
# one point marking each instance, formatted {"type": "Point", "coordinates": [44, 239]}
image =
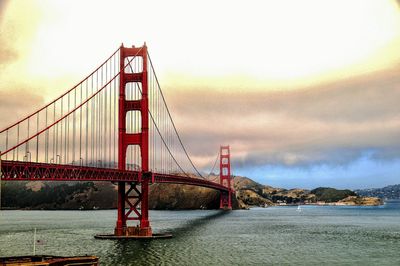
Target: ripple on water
{"type": "Point", "coordinates": [281, 235]}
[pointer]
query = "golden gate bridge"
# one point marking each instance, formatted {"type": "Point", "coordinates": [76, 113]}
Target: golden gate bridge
{"type": "Point", "coordinates": [115, 126]}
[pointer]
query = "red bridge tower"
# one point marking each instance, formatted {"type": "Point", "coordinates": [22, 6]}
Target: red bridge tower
{"type": "Point", "coordinates": [225, 177]}
{"type": "Point", "coordinates": [140, 196]}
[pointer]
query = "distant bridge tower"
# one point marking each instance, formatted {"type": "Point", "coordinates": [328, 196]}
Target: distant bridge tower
{"type": "Point", "coordinates": [141, 139]}
{"type": "Point", "coordinates": [225, 177]}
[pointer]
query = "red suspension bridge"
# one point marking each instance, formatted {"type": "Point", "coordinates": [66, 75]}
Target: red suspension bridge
{"type": "Point", "coordinates": [115, 126]}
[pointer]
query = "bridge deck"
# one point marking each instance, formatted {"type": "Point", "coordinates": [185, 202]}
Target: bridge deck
{"type": "Point", "coordinates": [30, 171]}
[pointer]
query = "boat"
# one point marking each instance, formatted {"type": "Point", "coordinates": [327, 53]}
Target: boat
{"type": "Point", "coordinates": [46, 260]}
{"type": "Point", "coordinates": [298, 208]}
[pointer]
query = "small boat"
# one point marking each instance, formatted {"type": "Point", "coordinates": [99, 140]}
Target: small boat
{"type": "Point", "coordinates": [45, 260]}
{"type": "Point", "coordinates": [298, 208]}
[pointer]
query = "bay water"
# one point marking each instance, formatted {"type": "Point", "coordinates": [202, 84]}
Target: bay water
{"type": "Point", "coordinates": [311, 235]}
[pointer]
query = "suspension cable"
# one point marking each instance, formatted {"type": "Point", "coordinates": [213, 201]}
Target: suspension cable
{"type": "Point", "coordinates": [66, 115]}
{"type": "Point", "coordinates": [47, 105]}
{"type": "Point", "coordinates": [173, 124]}
{"type": "Point", "coordinates": [215, 163]}
{"type": "Point", "coordinates": [159, 132]}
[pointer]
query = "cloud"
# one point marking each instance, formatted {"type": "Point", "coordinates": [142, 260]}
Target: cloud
{"type": "Point", "coordinates": [17, 104]}
{"type": "Point", "coordinates": [20, 93]}
{"type": "Point", "coordinates": [334, 123]}
{"type": "Point", "coordinates": [3, 6]}
{"type": "Point", "coordinates": [330, 123]}
{"type": "Point", "coordinates": [8, 53]}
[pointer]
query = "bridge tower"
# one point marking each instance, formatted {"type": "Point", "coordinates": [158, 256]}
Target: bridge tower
{"type": "Point", "coordinates": [225, 177]}
{"type": "Point", "coordinates": [141, 139]}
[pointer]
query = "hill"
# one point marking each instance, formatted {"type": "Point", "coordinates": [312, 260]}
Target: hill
{"type": "Point", "coordinates": [56, 195]}
{"type": "Point", "coordinates": [330, 194]}
{"type": "Point", "coordinates": [388, 192]}
{"type": "Point", "coordinates": [251, 193]}
{"type": "Point", "coordinates": [103, 195]}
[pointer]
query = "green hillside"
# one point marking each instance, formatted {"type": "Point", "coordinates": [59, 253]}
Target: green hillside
{"type": "Point", "coordinates": [331, 194]}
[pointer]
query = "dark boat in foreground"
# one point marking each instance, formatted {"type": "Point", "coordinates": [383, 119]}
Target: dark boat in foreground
{"type": "Point", "coordinates": [44, 260]}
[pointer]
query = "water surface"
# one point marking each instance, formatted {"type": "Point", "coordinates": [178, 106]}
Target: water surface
{"type": "Point", "coordinates": [333, 235]}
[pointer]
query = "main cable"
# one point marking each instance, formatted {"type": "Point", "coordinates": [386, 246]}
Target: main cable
{"type": "Point", "coordinates": [215, 163]}
{"type": "Point", "coordinates": [158, 130]}
{"type": "Point", "coordinates": [173, 124]}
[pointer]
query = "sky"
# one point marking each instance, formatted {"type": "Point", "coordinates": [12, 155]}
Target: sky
{"type": "Point", "coordinates": [306, 93]}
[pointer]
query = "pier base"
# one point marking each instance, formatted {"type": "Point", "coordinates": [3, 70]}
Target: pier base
{"type": "Point", "coordinates": [133, 237]}
{"type": "Point", "coordinates": [133, 232]}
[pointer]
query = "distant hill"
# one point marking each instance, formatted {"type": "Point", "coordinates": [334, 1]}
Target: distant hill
{"type": "Point", "coordinates": [249, 192]}
{"type": "Point", "coordinates": [57, 195]}
{"type": "Point", "coordinates": [184, 197]}
{"type": "Point", "coordinates": [330, 194]}
{"type": "Point", "coordinates": [389, 192]}
{"type": "Point", "coordinates": [253, 193]}
{"type": "Point", "coordinates": [103, 195]}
